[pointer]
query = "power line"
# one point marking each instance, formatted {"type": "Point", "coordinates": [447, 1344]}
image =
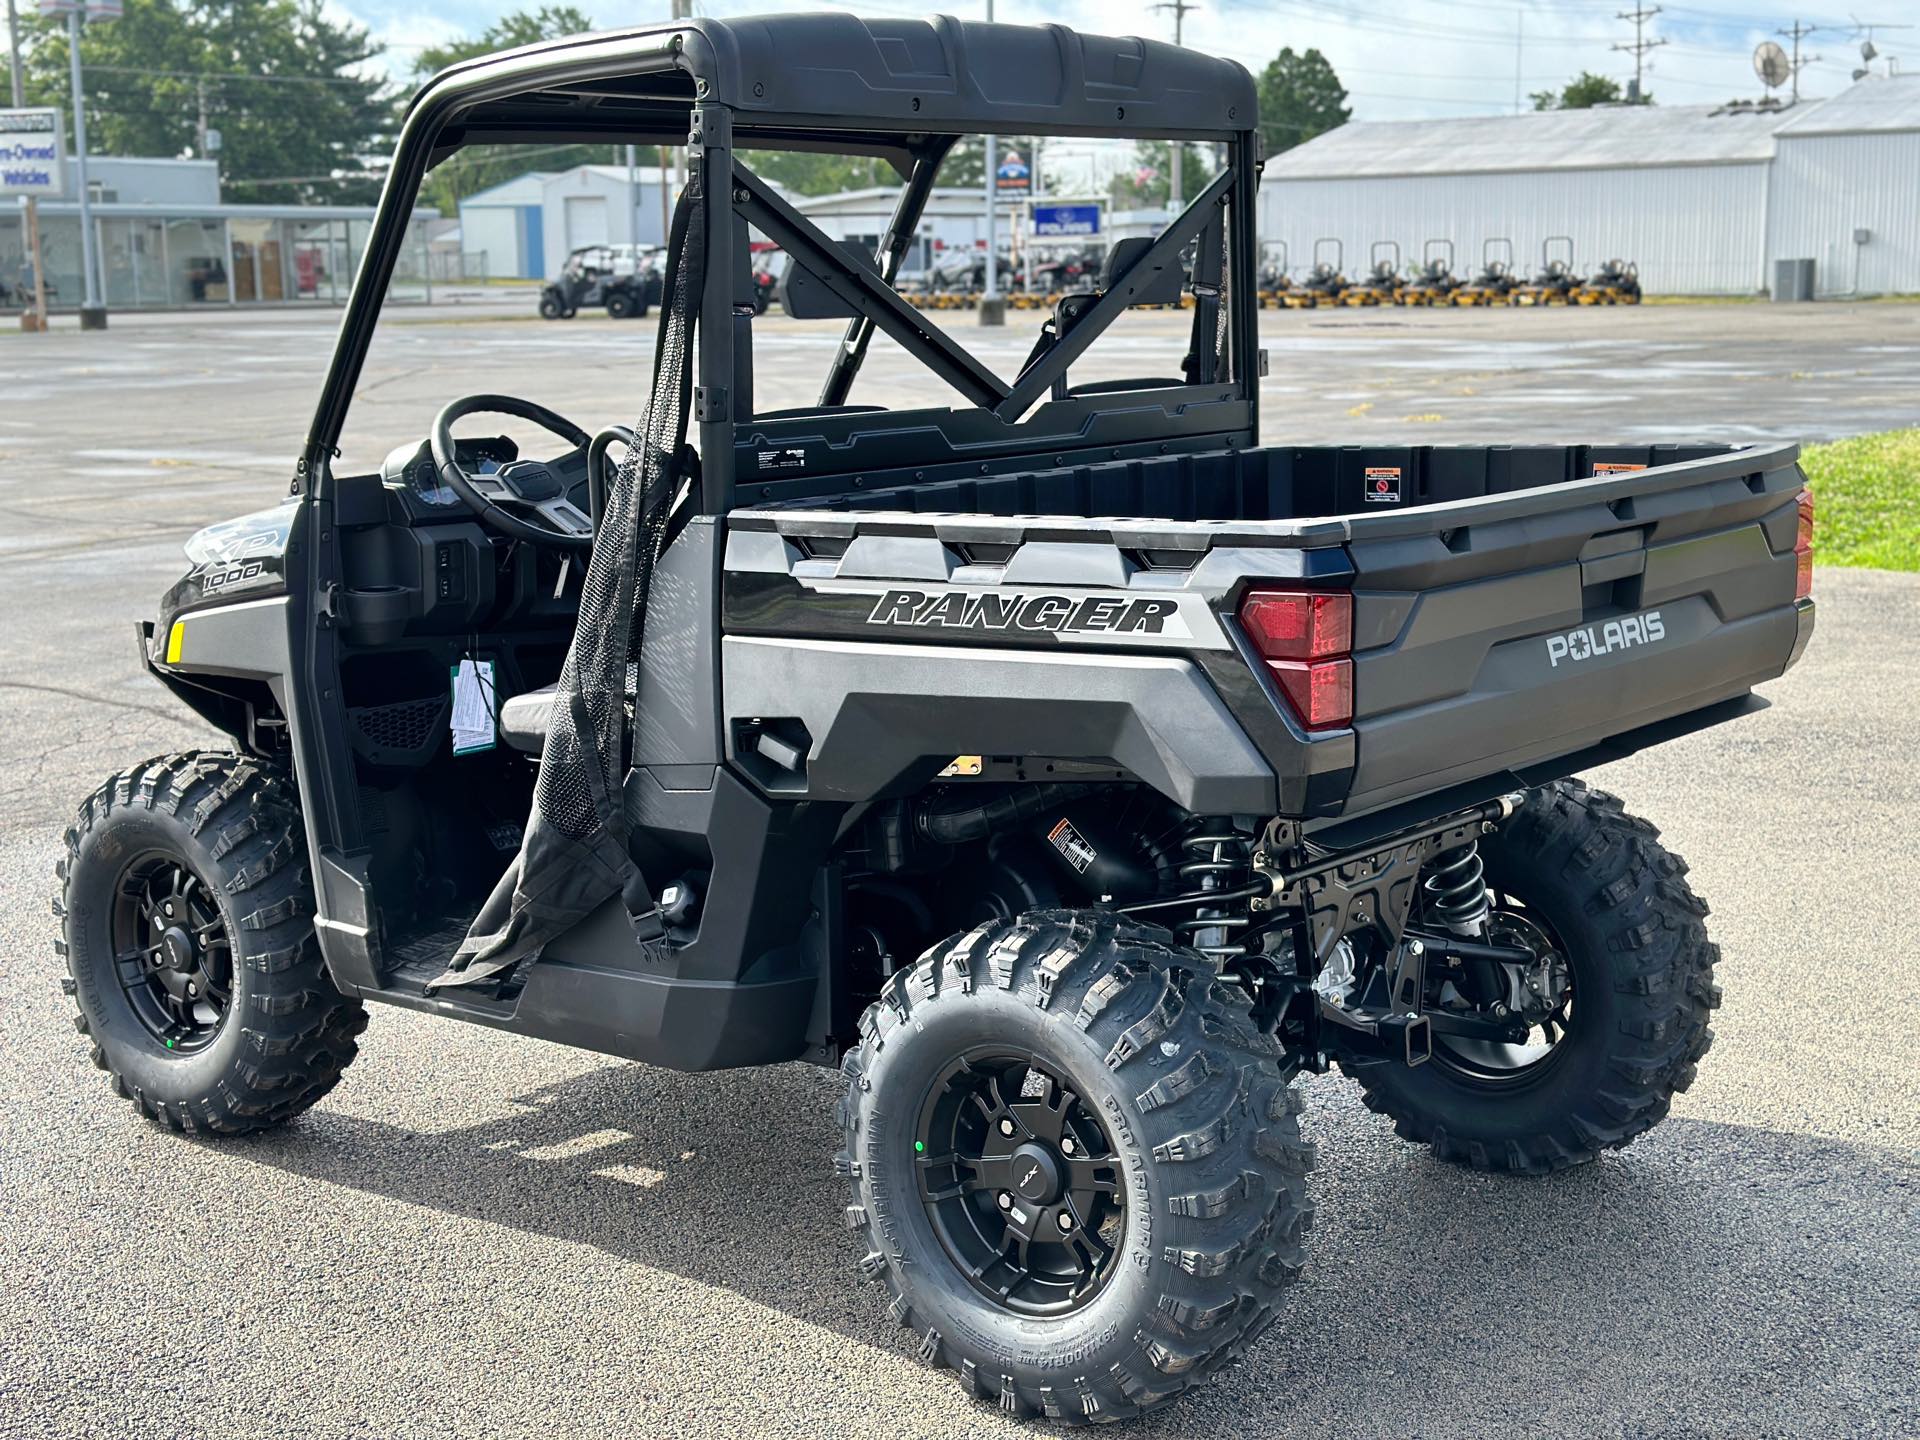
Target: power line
{"type": "Point", "coordinates": [1797, 32]}
{"type": "Point", "coordinates": [1639, 48]}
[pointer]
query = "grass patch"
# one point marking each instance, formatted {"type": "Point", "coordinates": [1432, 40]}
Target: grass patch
{"type": "Point", "coordinates": [1867, 500]}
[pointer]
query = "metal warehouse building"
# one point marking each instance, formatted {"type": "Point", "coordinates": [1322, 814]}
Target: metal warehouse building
{"type": "Point", "coordinates": [1702, 198]}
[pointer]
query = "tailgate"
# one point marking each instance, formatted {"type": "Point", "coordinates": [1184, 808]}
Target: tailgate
{"type": "Point", "coordinates": [1493, 636]}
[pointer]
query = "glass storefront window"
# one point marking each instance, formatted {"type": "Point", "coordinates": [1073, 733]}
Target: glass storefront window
{"type": "Point", "coordinates": [197, 263]}
{"type": "Point", "coordinates": [167, 260]}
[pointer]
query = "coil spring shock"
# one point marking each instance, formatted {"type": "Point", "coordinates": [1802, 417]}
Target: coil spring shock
{"type": "Point", "coordinates": [1456, 889]}
{"type": "Point", "coordinates": [1218, 857]}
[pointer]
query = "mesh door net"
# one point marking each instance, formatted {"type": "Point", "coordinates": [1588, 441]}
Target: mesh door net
{"type": "Point", "coordinates": [574, 855]}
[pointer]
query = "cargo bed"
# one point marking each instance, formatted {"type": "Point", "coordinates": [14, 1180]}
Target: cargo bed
{"type": "Point", "coordinates": [1513, 605]}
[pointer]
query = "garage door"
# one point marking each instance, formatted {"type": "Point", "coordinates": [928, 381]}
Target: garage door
{"type": "Point", "coordinates": [586, 221]}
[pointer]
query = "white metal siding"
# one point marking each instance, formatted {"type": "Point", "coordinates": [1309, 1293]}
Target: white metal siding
{"type": "Point", "coordinates": [494, 230]}
{"type": "Point", "coordinates": [1693, 230]}
{"type": "Point", "coordinates": [1827, 186]}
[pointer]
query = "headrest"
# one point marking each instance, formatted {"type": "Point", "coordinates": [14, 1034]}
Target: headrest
{"type": "Point", "coordinates": [803, 296]}
{"type": "Point", "coordinates": [1162, 287]}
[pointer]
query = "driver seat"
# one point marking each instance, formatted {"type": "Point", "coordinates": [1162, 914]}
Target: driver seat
{"type": "Point", "coordinates": [523, 719]}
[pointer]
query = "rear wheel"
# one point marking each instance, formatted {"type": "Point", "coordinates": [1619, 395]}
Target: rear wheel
{"type": "Point", "coordinates": [621, 305]}
{"type": "Point", "coordinates": [1619, 998]}
{"type": "Point", "coordinates": [1075, 1164]}
{"type": "Point", "coordinates": [188, 937]}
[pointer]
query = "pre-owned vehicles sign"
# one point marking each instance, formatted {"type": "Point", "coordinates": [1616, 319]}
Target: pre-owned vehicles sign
{"type": "Point", "coordinates": [32, 154]}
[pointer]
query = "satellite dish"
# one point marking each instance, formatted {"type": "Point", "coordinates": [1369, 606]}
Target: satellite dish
{"type": "Point", "coordinates": [1868, 51]}
{"type": "Point", "coordinates": [1770, 63]}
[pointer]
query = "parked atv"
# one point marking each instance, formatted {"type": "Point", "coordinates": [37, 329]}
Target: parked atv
{"type": "Point", "coordinates": [1068, 768]}
{"type": "Point", "coordinates": [617, 277]}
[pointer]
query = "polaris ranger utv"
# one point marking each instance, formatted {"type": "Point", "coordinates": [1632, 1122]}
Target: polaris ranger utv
{"type": "Point", "coordinates": [1066, 765]}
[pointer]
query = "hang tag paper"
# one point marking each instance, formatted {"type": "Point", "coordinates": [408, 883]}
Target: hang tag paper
{"type": "Point", "coordinates": [473, 706]}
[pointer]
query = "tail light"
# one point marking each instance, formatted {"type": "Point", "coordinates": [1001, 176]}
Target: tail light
{"type": "Point", "coordinates": [1803, 547]}
{"type": "Point", "coordinates": [1306, 639]}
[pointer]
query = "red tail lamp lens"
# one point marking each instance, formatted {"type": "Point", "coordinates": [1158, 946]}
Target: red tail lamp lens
{"type": "Point", "coordinates": [1306, 639]}
{"type": "Point", "coordinates": [1298, 624]}
{"type": "Point", "coordinates": [1321, 693]}
{"type": "Point", "coordinates": [1803, 548]}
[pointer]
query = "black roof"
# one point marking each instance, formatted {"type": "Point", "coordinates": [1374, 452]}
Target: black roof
{"type": "Point", "coordinates": [938, 74]}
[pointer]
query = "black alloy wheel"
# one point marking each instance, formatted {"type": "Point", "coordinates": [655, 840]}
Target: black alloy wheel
{"type": "Point", "coordinates": [1547, 1009]}
{"type": "Point", "coordinates": [1020, 1182]}
{"type": "Point", "coordinates": [1605, 1031]}
{"type": "Point", "coordinates": [173, 952]}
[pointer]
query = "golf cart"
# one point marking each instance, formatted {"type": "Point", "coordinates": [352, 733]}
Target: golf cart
{"type": "Point", "coordinates": [622, 278]}
{"type": "Point", "coordinates": [1067, 766]}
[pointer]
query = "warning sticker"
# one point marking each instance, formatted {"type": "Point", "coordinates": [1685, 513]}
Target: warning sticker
{"type": "Point", "coordinates": [1072, 845]}
{"type": "Point", "coordinates": [787, 457]}
{"type": "Point", "coordinates": [1382, 484]}
{"type": "Point", "coordinates": [1615, 467]}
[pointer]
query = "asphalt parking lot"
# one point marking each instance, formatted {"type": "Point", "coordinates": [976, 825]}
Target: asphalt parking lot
{"type": "Point", "coordinates": [480, 1235]}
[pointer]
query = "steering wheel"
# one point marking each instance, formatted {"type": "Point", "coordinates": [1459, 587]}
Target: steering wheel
{"type": "Point", "coordinates": [535, 487]}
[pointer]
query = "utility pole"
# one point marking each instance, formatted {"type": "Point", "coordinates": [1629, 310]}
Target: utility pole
{"type": "Point", "coordinates": [93, 315]}
{"type": "Point", "coordinates": [29, 202]}
{"type": "Point", "coordinates": [1639, 15]}
{"type": "Point", "coordinates": [1797, 32]}
{"type": "Point", "coordinates": [200, 124]}
{"type": "Point", "coordinates": [993, 310]}
{"type": "Point", "coordinates": [1519, 49]}
{"type": "Point", "coordinates": [1176, 193]}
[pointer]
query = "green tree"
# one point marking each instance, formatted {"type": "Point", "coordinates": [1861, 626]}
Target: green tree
{"type": "Point", "coordinates": [1149, 184]}
{"type": "Point", "coordinates": [479, 167]}
{"type": "Point", "coordinates": [1583, 92]}
{"type": "Point", "coordinates": [279, 80]}
{"type": "Point", "coordinates": [509, 32]}
{"type": "Point", "coordinates": [1300, 97]}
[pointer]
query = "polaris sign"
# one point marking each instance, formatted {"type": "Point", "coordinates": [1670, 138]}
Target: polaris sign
{"type": "Point", "coordinates": [33, 156]}
{"type": "Point", "coordinates": [1063, 221]}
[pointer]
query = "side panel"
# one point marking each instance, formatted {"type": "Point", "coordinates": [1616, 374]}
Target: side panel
{"type": "Point", "coordinates": [874, 714]}
{"type": "Point", "coordinates": [889, 648]}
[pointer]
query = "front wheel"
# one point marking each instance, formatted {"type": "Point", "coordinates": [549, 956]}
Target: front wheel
{"type": "Point", "coordinates": [189, 945]}
{"type": "Point", "coordinates": [1075, 1164]}
{"type": "Point", "coordinates": [1623, 986]}
{"type": "Point", "coordinates": [552, 307]}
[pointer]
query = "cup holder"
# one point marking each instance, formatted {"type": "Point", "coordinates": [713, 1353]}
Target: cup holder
{"type": "Point", "coordinates": [376, 614]}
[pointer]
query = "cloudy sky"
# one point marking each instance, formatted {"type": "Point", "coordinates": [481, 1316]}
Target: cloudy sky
{"type": "Point", "coordinates": [1401, 59]}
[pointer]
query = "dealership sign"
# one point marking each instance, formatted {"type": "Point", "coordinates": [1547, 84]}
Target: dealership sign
{"type": "Point", "coordinates": [32, 154]}
{"type": "Point", "coordinates": [1013, 176]}
{"type": "Point", "coordinates": [1062, 221]}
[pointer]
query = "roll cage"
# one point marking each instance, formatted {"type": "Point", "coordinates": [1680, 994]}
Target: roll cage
{"type": "Point", "coordinates": [899, 90]}
{"type": "Point", "coordinates": [902, 91]}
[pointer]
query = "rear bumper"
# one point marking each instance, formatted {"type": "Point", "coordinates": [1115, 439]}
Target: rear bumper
{"type": "Point", "coordinates": [1803, 611]}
